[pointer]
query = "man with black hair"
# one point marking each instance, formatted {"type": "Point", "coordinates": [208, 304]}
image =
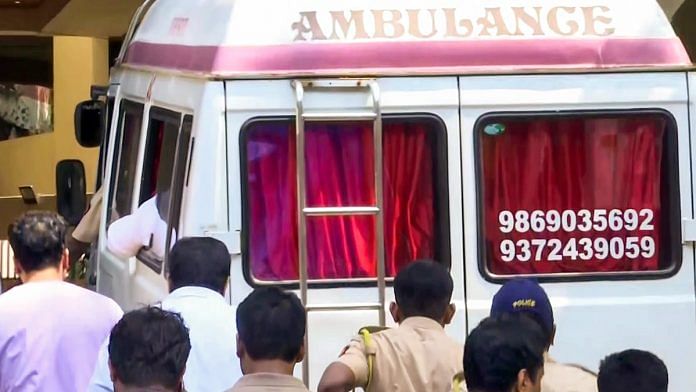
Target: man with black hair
{"type": "Point", "coordinates": [148, 350]}
{"type": "Point", "coordinates": [50, 330]}
{"type": "Point", "coordinates": [270, 341]}
{"type": "Point", "coordinates": [521, 295]}
{"type": "Point", "coordinates": [634, 371]}
{"type": "Point", "coordinates": [416, 356]}
{"type": "Point", "coordinates": [199, 269]}
{"type": "Point", "coordinates": [505, 354]}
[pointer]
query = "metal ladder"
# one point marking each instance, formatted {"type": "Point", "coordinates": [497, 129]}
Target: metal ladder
{"type": "Point", "coordinates": [303, 211]}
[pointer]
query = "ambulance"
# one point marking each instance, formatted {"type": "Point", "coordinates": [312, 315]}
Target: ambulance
{"type": "Point", "coordinates": [329, 143]}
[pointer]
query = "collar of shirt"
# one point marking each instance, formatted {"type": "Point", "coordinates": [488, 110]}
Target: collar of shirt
{"type": "Point", "coordinates": [194, 291]}
{"type": "Point", "coordinates": [418, 322]}
{"type": "Point", "coordinates": [270, 380]}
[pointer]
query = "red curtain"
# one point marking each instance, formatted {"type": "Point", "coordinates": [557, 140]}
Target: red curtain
{"type": "Point", "coordinates": [339, 167]}
{"type": "Point", "coordinates": [569, 165]}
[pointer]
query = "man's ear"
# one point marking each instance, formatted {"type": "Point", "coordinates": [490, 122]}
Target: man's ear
{"type": "Point", "coordinates": [395, 312]}
{"type": "Point", "coordinates": [181, 388]}
{"type": "Point", "coordinates": [18, 267]}
{"type": "Point", "coordinates": [449, 314]}
{"type": "Point", "coordinates": [300, 354]}
{"type": "Point", "coordinates": [240, 348]}
{"type": "Point", "coordinates": [112, 372]}
{"type": "Point", "coordinates": [224, 287]}
{"type": "Point", "coordinates": [65, 261]}
{"type": "Point", "coordinates": [524, 381]}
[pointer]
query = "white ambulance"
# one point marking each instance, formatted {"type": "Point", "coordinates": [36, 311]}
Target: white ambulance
{"type": "Point", "coordinates": [329, 143]}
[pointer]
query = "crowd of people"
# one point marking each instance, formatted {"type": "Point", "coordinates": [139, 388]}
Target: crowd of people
{"type": "Point", "coordinates": [55, 336]}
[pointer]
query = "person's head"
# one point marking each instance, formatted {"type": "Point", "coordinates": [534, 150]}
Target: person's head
{"type": "Point", "coordinates": [632, 370]}
{"type": "Point", "coordinates": [270, 330]}
{"type": "Point", "coordinates": [37, 239]}
{"type": "Point", "coordinates": [526, 296]}
{"type": "Point", "coordinates": [423, 288]}
{"type": "Point", "coordinates": [504, 354]}
{"type": "Point", "coordinates": [201, 262]}
{"type": "Point", "coordinates": [149, 348]}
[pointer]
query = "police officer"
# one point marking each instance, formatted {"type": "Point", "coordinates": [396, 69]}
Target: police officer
{"type": "Point", "coordinates": [526, 296]}
{"type": "Point", "coordinates": [416, 356]}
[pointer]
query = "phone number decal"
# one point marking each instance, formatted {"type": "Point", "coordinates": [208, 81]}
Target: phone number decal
{"type": "Point", "coordinates": [577, 249]}
{"type": "Point", "coordinates": [570, 221]}
{"type": "Point", "coordinates": [581, 221]}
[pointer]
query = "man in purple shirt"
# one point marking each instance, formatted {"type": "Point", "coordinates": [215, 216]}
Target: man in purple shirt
{"type": "Point", "coordinates": [50, 330]}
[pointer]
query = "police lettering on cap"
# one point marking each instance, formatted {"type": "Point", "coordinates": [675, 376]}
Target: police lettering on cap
{"type": "Point", "coordinates": [524, 295]}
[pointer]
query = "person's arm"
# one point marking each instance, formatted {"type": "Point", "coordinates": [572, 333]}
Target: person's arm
{"type": "Point", "coordinates": [101, 377]}
{"type": "Point", "coordinates": [350, 371]}
{"type": "Point", "coordinates": [338, 377]}
{"type": "Point", "coordinates": [79, 239]}
{"type": "Point", "coordinates": [76, 248]}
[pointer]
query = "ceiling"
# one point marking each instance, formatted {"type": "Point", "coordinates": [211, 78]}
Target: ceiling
{"type": "Point", "coordinates": [102, 18]}
{"type": "Point", "coordinates": [96, 18]}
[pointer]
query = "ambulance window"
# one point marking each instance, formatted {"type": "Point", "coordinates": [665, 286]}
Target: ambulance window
{"type": "Point", "coordinates": [156, 181]}
{"type": "Point", "coordinates": [576, 196]}
{"type": "Point", "coordinates": [125, 160]}
{"type": "Point", "coordinates": [339, 172]}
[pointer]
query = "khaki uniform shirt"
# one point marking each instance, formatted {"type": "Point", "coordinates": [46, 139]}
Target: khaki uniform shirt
{"type": "Point", "coordinates": [559, 377]}
{"type": "Point", "coordinates": [417, 356]}
{"type": "Point", "coordinates": [87, 230]}
{"type": "Point", "coordinates": [268, 382]}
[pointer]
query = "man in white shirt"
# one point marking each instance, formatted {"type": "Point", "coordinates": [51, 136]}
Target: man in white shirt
{"type": "Point", "coordinates": [145, 228]}
{"type": "Point", "coordinates": [50, 330]}
{"type": "Point", "coordinates": [199, 269]}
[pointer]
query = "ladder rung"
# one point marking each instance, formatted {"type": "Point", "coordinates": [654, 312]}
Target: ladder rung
{"type": "Point", "coordinates": [347, 116]}
{"type": "Point", "coordinates": [340, 211]}
{"type": "Point", "coordinates": [343, 307]}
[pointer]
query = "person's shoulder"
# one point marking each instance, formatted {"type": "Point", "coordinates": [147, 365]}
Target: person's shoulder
{"type": "Point", "coordinates": [9, 299]}
{"type": "Point", "coordinates": [100, 302]}
{"type": "Point", "coordinates": [562, 377]}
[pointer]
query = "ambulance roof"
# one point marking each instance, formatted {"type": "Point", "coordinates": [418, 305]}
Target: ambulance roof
{"type": "Point", "coordinates": [282, 38]}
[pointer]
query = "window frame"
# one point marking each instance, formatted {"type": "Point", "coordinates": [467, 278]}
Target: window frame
{"type": "Point", "coordinates": [180, 172]}
{"type": "Point", "coordinates": [442, 209]}
{"type": "Point", "coordinates": [124, 106]}
{"type": "Point", "coordinates": [156, 113]}
{"type": "Point", "coordinates": [671, 182]}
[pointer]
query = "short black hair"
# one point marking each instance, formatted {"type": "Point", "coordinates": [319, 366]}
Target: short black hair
{"type": "Point", "coordinates": [423, 288]}
{"type": "Point", "coordinates": [199, 261]}
{"type": "Point", "coordinates": [632, 370]}
{"type": "Point", "coordinates": [271, 324]}
{"type": "Point", "coordinates": [149, 347]}
{"type": "Point", "coordinates": [498, 348]}
{"type": "Point", "coordinates": [37, 239]}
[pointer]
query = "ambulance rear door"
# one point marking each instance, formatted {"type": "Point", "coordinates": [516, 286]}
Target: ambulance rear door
{"type": "Point", "coordinates": [421, 207]}
{"type": "Point", "coordinates": [583, 181]}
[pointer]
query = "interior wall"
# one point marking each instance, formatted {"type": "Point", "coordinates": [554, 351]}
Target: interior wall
{"type": "Point", "coordinates": [78, 63]}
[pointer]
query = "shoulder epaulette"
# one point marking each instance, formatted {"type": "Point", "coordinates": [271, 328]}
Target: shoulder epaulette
{"type": "Point", "coordinates": [457, 382]}
{"type": "Point", "coordinates": [366, 334]}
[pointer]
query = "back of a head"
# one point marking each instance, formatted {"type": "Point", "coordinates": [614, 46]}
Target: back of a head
{"type": "Point", "coordinates": [498, 349]}
{"type": "Point", "coordinates": [632, 370]}
{"type": "Point", "coordinates": [149, 347]}
{"type": "Point", "coordinates": [526, 296]}
{"type": "Point", "coordinates": [38, 240]}
{"type": "Point", "coordinates": [199, 261]}
{"type": "Point", "coordinates": [423, 288]}
{"type": "Point", "coordinates": [271, 324]}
